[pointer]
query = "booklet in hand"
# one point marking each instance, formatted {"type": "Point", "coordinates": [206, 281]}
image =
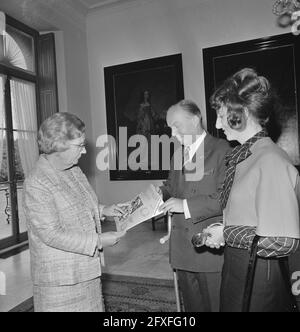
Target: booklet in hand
{"type": "Point", "coordinates": [141, 208]}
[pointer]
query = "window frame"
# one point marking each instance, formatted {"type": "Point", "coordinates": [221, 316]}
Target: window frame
{"type": "Point", "coordinates": [11, 72]}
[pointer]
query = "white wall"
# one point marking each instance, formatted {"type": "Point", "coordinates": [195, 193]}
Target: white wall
{"type": "Point", "coordinates": [156, 28]}
{"type": "Point", "coordinates": [61, 71]}
{"type": "Point", "coordinates": [73, 76]}
{"type": "Point", "coordinates": [73, 83]}
{"type": "Point", "coordinates": [78, 90]}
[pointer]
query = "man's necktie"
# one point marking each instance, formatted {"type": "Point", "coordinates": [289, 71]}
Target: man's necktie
{"type": "Point", "coordinates": [186, 157]}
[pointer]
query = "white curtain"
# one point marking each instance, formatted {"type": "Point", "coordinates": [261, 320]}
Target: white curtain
{"type": "Point", "coordinates": [23, 103]}
{"type": "Point", "coordinates": [2, 23]}
{"type": "Point", "coordinates": [2, 118]}
{"type": "Point", "coordinates": [10, 50]}
{"type": "Point", "coordinates": [25, 121]}
{"type": "Point", "coordinates": [2, 31]}
{"type": "Point", "coordinates": [2, 86]}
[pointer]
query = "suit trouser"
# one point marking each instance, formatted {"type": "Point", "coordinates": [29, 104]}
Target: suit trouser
{"type": "Point", "coordinates": [200, 291]}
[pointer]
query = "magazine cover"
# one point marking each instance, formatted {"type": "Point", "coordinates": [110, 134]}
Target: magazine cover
{"type": "Point", "coordinates": [143, 207]}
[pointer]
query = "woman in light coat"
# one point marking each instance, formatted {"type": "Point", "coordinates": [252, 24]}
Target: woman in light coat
{"type": "Point", "coordinates": [63, 221]}
{"type": "Point", "coordinates": [258, 196]}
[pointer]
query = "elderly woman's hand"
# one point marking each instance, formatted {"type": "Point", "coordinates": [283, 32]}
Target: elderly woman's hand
{"type": "Point", "coordinates": [109, 239]}
{"type": "Point", "coordinates": [112, 211]}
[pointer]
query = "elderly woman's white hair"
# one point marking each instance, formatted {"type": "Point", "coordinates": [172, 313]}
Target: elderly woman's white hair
{"type": "Point", "coordinates": [57, 130]}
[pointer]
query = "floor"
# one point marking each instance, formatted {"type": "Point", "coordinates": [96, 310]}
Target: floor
{"type": "Point", "coordinates": [139, 253]}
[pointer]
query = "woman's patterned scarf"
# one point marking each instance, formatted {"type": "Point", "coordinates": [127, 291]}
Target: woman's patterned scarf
{"type": "Point", "coordinates": [237, 155]}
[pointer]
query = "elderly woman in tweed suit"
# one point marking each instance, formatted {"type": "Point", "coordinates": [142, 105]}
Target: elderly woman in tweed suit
{"type": "Point", "coordinates": [63, 221]}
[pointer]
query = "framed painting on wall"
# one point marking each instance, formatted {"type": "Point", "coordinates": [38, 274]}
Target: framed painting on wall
{"type": "Point", "coordinates": [138, 95]}
{"type": "Point", "coordinates": [276, 58]}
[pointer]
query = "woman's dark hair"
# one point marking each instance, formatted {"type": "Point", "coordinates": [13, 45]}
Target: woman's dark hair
{"type": "Point", "coordinates": [245, 90]}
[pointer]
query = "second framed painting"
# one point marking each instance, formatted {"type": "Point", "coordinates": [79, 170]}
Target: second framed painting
{"type": "Point", "coordinates": [138, 95]}
{"type": "Point", "coordinates": [276, 58]}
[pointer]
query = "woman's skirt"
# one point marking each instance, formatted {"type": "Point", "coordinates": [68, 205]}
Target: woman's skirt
{"type": "Point", "coordinates": [269, 292]}
{"type": "Point", "coordinates": [83, 297]}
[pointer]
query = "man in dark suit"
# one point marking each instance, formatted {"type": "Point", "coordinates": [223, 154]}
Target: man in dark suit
{"type": "Point", "coordinates": [194, 204]}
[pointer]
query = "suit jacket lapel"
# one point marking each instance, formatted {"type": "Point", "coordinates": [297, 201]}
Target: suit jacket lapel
{"type": "Point", "coordinates": [202, 152]}
{"type": "Point", "coordinates": [208, 147]}
{"type": "Point", "coordinates": [182, 186]}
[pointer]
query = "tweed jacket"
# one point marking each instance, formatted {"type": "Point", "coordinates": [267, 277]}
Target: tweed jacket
{"type": "Point", "coordinates": [63, 220]}
{"type": "Point", "coordinates": [204, 207]}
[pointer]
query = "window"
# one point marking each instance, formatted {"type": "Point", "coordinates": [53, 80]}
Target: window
{"type": "Point", "coordinates": [18, 124]}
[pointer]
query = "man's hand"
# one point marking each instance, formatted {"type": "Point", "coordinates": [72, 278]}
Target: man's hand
{"type": "Point", "coordinates": [112, 211]}
{"type": "Point", "coordinates": [215, 238]}
{"type": "Point", "coordinates": [111, 238]}
{"type": "Point", "coordinates": [174, 205]}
